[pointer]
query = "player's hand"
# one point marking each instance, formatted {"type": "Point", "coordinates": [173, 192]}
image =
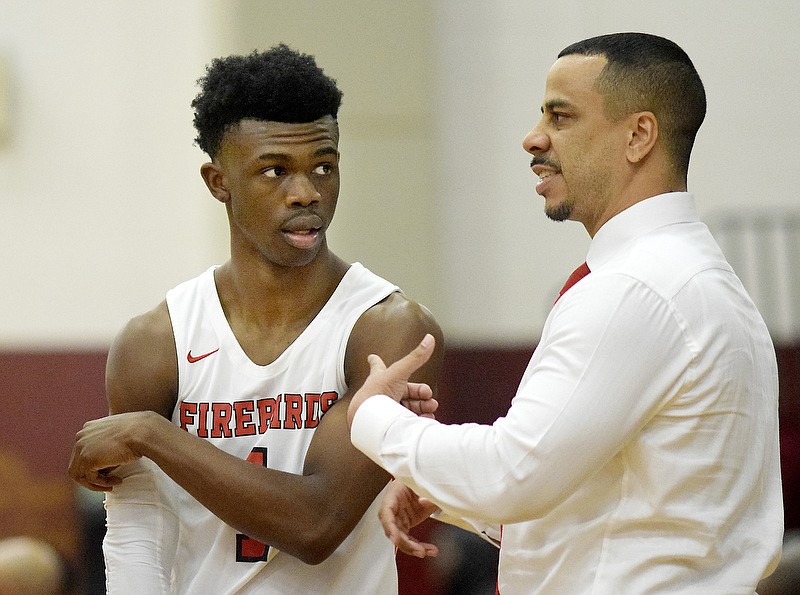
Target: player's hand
{"type": "Point", "coordinates": [402, 510]}
{"type": "Point", "coordinates": [103, 445]}
{"type": "Point", "coordinates": [393, 382]}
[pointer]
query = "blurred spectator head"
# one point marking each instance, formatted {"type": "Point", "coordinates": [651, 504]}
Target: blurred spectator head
{"type": "Point", "coordinates": [30, 566]}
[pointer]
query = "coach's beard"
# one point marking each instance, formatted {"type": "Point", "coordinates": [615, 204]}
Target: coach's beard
{"type": "Point", "coordinates": [559, 212]}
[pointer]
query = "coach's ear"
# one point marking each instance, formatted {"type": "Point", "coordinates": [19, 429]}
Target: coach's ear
{"type": "Point", "coordinates": [215, 181]}
{"type": "Point", "coordinates": [643, 133]}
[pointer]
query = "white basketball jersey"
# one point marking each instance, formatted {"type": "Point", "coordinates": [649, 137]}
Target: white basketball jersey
{"type": "Point", "coordinates": [267, 414]}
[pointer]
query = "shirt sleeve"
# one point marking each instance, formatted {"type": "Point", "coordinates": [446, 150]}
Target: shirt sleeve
{"type": "Point", "coordinates": [141, 535]}
{"type": "Point", "coordinates": [596, 378]}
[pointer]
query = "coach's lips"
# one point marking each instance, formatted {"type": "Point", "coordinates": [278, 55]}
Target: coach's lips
{"type": "Point", "coordinates": [545, 177]}
{"type": "Point", "coordinates": [303, 231]}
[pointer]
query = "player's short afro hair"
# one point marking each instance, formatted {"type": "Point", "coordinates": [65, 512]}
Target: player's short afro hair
{"type": "Point", "coordinates": [277, 85]}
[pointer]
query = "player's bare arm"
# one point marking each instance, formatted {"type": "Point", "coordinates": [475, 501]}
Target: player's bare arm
{"type": "Point", "coordinates": [340, 475]}
{"type": "Point", "coordinates": [141, 376]}
{"type": "Point", "coordinates": [142, 366]}
{"type": "Point", "coordinates": [308, 515]}
{"type": "Point", "coordinates": [415, 323]}
{"type": "Point", "coordinates": [396, 379]}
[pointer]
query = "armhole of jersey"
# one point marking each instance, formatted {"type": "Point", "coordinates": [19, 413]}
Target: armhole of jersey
{"type": "Point", "coordinates": [180, 371]}
{"type": "Point", "coordinates": [180, 350]}
{"type": "Point", "coordinates": [348, 330]}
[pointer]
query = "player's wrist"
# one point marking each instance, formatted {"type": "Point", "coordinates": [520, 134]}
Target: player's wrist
{"type": "Point", "coordinates": [144, 436]}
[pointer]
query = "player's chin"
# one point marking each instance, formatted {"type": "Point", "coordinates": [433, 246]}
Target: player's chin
{"type": "Point", "coordinates": [289, 256]}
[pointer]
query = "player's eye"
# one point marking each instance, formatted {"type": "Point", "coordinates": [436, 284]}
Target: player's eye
{"type": "Point", "coordinates": [274, 172]}
{"type": "Point", "coordinates": [323, 169]}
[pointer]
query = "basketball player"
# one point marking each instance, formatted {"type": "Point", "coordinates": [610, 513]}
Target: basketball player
{"type": "Point", "coordinates": [226, 456]}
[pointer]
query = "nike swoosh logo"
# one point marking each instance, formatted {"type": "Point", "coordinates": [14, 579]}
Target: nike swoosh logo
{"type": "Point", "coordinates": [192, 359]}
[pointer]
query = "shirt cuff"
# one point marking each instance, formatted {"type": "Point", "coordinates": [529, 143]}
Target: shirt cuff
{"type": "Point", "coordinates": [371, 421]}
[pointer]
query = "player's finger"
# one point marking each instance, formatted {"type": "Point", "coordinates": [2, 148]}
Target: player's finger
{"type": "Point", "coordinates": [102, 478]}
{"type": "Point", "coordinates": [98, 482]}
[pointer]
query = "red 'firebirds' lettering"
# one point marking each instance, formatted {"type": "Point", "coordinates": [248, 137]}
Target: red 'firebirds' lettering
{"type": "Point", "coordinates": [289, 411]}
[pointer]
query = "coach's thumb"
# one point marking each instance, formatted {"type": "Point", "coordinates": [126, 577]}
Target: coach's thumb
{"type": "Point", "coordinates": [416, 359]}
{"type": "Point", "coordinates": [426, 346]}
{"type": "Point", "coordinates": [375, 363]}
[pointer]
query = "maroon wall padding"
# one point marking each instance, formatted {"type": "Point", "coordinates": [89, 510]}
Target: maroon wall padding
{"type": "Point", "coordinates": [46, 398]}
{"type": "Point", "coordinates": [789, 377]}
{"type": "Point", "coordinates": [48, 395]}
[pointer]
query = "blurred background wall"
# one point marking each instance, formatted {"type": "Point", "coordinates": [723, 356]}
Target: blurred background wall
{"type": "Point", "coordinates": [102, 208]}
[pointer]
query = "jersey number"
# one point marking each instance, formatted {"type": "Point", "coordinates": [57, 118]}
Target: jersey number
{"type": "Point", "coordinates": [247, 549]}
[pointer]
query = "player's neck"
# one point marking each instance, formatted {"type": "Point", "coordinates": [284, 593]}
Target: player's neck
{"type": "Point", "coordinates": [271, 293]}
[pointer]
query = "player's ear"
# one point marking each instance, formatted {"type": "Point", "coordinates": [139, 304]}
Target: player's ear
{"type": "Point", "coordinates": [215, 181]}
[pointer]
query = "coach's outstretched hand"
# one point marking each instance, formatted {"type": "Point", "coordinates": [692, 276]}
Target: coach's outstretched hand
{"type": "Point", "coordinates": [402, 510]}
{"type": "Point", "coordinates": [393, 382]}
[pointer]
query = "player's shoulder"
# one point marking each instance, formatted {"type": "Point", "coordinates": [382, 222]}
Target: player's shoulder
{"type": "Point", "coordinates": [397, 312]}
{"type": "Point", "coordinates": [141, 372]}
{"type": "Point", "coordinates": [392, 328]}
{"type": "Point", "coordinates": [152, 327]}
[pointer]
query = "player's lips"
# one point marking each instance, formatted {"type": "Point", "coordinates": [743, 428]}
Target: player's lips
{"type": "Point", "coordinates": [303, 231]}
{"type": "Point", "coordinates": [302, 239]}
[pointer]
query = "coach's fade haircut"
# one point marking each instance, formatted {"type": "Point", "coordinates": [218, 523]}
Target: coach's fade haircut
{"type": "Point", "coordinates": [650, 73]}
{"type": "Point", "coordinates": [276, 85]}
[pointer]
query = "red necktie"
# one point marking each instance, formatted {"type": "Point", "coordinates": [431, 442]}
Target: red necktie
{"type": "Point", "coordinates": [576, 276]}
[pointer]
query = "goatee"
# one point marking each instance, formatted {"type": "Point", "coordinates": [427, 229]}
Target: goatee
{"type": "Point", "coordinates": [559, 212]}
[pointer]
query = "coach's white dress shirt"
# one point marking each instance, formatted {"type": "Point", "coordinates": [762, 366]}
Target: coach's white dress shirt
{"type": "Point", "coordinates": [640, 454]}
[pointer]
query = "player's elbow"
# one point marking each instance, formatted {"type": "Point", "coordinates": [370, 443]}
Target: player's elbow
{"type": "Point", "coordinates": [315, 555]}
{"type": "Point", "coordinates": [316, 544]}
{"type": "Point", "coordinates": [319, 533]}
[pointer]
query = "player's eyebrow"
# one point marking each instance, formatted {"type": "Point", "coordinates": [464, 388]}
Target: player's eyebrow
{"type": "Point", "coordinates": [325, 151]}
{"type": "Point", "coordinates": [273, 156]}
{"type": "Point", "coordinates": [284, 156]}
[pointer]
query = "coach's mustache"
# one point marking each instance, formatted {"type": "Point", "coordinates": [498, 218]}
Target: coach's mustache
{"type": "Point", "coordinates": [540, 160]}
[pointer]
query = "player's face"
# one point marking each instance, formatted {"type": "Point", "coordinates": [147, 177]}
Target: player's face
{"type": "Point", "coordinates": [283, 184]}
{"type": "Point", "coordinates": [573, 143]}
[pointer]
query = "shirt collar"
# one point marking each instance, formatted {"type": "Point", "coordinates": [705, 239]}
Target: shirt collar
{"type": "Point", "coordinates": [641, 218]}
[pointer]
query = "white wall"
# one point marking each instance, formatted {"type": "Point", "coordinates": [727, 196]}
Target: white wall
{"type": "Point", "coordinates": [102, 208]}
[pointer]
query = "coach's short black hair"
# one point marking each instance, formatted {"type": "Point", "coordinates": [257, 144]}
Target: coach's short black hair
{"type": "Point", "coordinates": [277, 85]}
{"type": "Point", "coordinates": [650, 73]}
